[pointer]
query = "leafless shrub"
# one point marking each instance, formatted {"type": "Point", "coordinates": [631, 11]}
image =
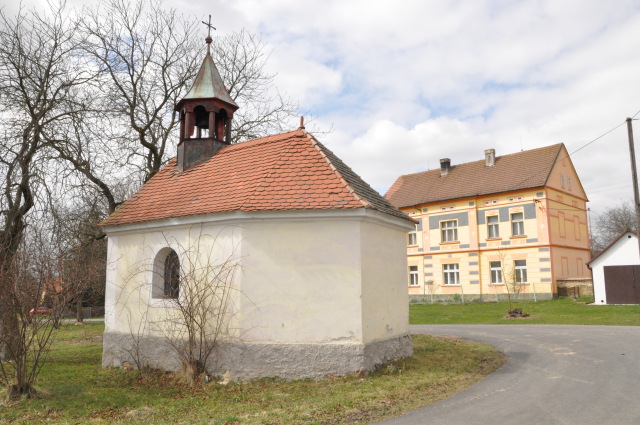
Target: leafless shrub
{"type": "Point", "coordinates": [200, 317]}
{"type": "Point", "coordinates": [33, 279]}
{"type": "Point", "coordinates": [513, 280]}
{"type": "Point", "coordinates": [197, 297]}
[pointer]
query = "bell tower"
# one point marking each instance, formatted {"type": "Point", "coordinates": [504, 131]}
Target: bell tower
{"type": "Point", "coordinates": [206, 113]}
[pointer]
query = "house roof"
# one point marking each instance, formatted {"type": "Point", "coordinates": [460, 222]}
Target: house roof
{"type": "Point", "coordinates": [613, 242]}
{"type": "Point", "coordinates": [290, 171]}
{"type": "Point", "coordinates": [522, 170]}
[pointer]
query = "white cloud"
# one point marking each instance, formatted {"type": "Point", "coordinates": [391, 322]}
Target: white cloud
{"type": "Point", "coordinates": [407, 83]}
{"type": "Point", "coordinates": [388, 150]}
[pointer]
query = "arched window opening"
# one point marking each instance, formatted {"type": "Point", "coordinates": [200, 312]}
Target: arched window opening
{"type": "Point", "coordinates": [171, 275]}
{"type": "Point", "coordinates": [221, 124]}
{"type": "Point", "coordinates": [202, 120]}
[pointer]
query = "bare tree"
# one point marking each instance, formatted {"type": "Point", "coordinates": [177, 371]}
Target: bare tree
{"type": "Point", "coordinates": [38, 77]}
{"type": "Point", "coordinates": [428, 288]}
{"type": "Point", "coordinates": [241, 58]}
{"type": "Point", "coordinates": [83, 258]}
{"type": "Point", "coordinates": [514, 279]}
{"type": "Point", "coordinates": [610, 223]}
{"type": "Point", "coordinates": [145, 58]}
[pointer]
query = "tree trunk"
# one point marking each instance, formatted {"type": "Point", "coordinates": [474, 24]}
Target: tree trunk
{"type": "Point", "coordinates": [8, 314]}
{"type": "Point", "coordinates": [79, 311]}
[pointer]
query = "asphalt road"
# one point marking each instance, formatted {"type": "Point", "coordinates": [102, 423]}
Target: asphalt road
{"type": "Point", "coordinates": [554, 374]}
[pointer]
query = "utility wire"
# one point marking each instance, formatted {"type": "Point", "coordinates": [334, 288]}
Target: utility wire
{"type": "Point", "coordinates": [602, 135]}
{"type": "Point", "coordinates": [610, 189]}
{"type": "Point", "coordinates": [589, 143]}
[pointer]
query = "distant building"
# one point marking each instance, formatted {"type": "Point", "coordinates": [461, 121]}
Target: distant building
{"type": "Point", "coordinates": [517, 218]}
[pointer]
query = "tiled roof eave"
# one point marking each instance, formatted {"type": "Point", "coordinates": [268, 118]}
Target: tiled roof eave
{"type": "Point", "coordinates": [240, 216]}
{"type": "Point", "coordinates": [470, 196]}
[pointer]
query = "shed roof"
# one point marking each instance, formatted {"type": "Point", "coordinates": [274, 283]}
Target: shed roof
{"type": "Point", "coordinates": [611, 244]}
{"type": "Point", "coordinates": [289, 171]}
{"type": "Point", "coordinates": [522, 170]}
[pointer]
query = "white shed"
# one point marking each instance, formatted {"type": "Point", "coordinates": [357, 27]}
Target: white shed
{"type": "Point", "coordinates": [616, 270]}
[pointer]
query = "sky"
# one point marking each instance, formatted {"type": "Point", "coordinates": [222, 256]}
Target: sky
{"type": "Point", "coordinates": [405, 83]}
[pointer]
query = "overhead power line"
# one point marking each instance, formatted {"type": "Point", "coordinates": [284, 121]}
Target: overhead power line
{"type": "Point", "coordinates": [601, 136]}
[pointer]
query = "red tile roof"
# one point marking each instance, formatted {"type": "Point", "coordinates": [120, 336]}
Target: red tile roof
{"type": "Point", "coordinates": [522, 170]}
{"type": "Point", "coordinates": [289, 171]}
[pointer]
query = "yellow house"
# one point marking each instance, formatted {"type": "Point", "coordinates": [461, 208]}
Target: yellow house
{"type": "Point", "coordinates": [507, 224]}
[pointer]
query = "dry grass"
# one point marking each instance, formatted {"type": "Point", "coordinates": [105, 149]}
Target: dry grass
{"type": "Point", "coordinates": [75, 389]}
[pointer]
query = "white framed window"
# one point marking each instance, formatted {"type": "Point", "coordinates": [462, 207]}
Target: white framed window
{"type": "Point", "coordinates": [449, 230]}
{"type": "Point", "coordinates": [413, 276]}
{"type": "Point", "coordinates": [496, 272]}
{"type": "Point", "coordinates": [493, 226]}
{"type": "Point", "coordinates": [519, 198]}
{"type": "Point", "coordinates": [517, 224]}
{"type": "Point", "coordinates": [520, 269]}
{"type": "Point", "coordinates": [510, 199]}
{"type": "Point", "coordinates": [412, 238]}
{"type": "Point", "coordinates": [569, 183]}
{"type": "Point", "coordinates": [451, 274]}
{"type": "Point", "coordinates": [495, 201]}
{"type": "Point", "coordinates": [486, 202]}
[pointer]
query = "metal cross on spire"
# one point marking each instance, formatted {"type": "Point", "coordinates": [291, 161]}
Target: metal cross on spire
{"type": "Point", "coordinates": [209, 26]}
{"type": "Point", "coordinates": [209, 39]}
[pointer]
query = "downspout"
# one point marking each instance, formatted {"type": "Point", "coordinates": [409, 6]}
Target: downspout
{"type": "Point", "coordinates": [480, 276]}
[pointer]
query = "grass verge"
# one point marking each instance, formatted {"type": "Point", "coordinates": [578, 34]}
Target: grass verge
{"type": "Point", "coordinates": [75, 389]}
{"type": "Point", "coordinates": [563, 311]}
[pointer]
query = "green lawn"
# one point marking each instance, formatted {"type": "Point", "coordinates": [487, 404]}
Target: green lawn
{"type": "Point", "coordinates": [75, 389]}
{"type": "Point", "coordinates": [561, 311]}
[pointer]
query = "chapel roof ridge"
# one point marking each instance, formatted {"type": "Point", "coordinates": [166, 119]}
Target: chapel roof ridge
{"type": "Point", "coordinates": [290, 171]}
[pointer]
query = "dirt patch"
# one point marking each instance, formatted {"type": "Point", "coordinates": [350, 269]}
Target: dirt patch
{"type": "Point", "coordinates": [92, 340]}
{"type": "Point", "coordinates": [516, 313]}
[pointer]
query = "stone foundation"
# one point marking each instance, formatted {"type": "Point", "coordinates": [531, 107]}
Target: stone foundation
{"type": "Point", "coordinates": [260, 360]}
{"type": "Point", "coordinates": [575, 288]}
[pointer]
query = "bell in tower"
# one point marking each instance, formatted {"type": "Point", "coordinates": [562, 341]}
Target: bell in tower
{"type": "Point", "coordinates": [206, 113]}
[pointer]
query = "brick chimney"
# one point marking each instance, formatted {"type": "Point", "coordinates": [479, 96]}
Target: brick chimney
{"type": "Point", "coordinates": [489, 157]}
{"type": "Point", "coordinates": [445, 166]}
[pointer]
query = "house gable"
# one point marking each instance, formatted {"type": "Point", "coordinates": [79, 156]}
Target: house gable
{"type": "Point", "coordinates": [564, 178]}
